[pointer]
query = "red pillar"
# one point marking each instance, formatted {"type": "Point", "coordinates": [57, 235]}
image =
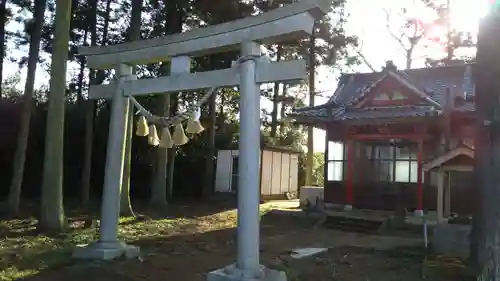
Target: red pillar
{"type": "Point", "coordinates": [350, 167]}
{"type": "Point", "coordinates": [420, 180]}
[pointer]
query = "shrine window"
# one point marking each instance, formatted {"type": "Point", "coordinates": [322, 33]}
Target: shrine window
{"type": "Point", "coordinates": [405, 164]}
{"type": "Point", "coordinates": [392, 163]}
{"type": "Point", "coordinates": [335, 161]}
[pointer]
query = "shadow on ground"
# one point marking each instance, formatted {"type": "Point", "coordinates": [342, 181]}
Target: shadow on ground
{"type": "Point", "coordinates": [185, 208]}
{"type": "Point", "coordinates": [24, 252]}
{"type": "Point", "coordinates": [204, 240]}
{"type": "Point", "coordinates": [183, 256]}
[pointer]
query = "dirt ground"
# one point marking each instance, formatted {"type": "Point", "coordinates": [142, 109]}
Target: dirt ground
{"type": "Point", "coordinates": [188, 249]}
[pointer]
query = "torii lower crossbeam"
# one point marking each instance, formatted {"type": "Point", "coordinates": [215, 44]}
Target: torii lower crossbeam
{"type": "Point", "coordinates": [267, 72]}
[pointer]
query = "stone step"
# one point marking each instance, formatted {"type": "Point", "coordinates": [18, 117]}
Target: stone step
{"type": "Point", "coordinates": [353, 224]}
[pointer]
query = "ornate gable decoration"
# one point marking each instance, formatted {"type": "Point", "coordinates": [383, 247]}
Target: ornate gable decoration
{"type": "Point", "coordinates": [392, 89]}
{"type": "Point", "coordinates": [382, 97]}
{"type": "Point", "coordinates": [396, 95]}
{"type": "Point", "coordinates": [388, 98]}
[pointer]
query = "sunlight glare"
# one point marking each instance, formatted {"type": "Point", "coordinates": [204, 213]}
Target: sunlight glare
{"type": "Point", "coordinates": [465, 14]}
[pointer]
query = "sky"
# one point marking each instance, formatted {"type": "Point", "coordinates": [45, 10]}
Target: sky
{"type": "Point", "coordinates": [367, 20]}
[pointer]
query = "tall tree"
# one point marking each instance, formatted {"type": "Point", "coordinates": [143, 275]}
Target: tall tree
{"type": "Point", "coordinates": [134, 33]}
{"type": "Point", "coordinates": [208, 180]}
{"type": "Point", "coordinates": [487, 234]}
{"type": "Point", "coordinates": [3, 16]}
{"type": "Point", "coordinates": [211, 13]}
{"type": "Point", "coordinates": [34, 30]}
{"type": "Point", "coordinates": [274, 113]}
{"type": "Point", "coordinates": [52, 211]}
{"type": "Point", "coordinates": [94, 78]}
{"type": "Point", "coordinates": [160, 165]}
{"type": "Point", "coordinates": [174, 17]}
{"type": "Point", "coordinates": [310, 129]}
{"type": "Point", "coordinates": [283, 123]}
{"type": "Point", "coordinates": [413, 33]}
{"type": "Point", "coordinates": [452, 39]}
{"type": "Point", "coordinates": [327, 46]}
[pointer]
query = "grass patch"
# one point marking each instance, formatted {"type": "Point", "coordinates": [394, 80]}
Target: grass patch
{"type": "Point", "coordinates": [24, 253]}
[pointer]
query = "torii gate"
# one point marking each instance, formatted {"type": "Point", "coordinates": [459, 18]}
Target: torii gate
{"type": "Point", "coordinates": [282, 24]}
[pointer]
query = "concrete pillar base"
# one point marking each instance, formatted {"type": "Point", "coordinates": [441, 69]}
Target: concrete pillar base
{"type": "Point", "coordinates": [231, 273]}
{"type": "Point", "coordinates": [347, 207]}
{"type": "Point", "coordinates": [418, 213]}
{"type": "Point", "coordinates": [105, 251]}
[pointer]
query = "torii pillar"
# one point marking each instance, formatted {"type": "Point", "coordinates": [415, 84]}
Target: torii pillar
{"type": "Point", "coordinates": [247, 265]}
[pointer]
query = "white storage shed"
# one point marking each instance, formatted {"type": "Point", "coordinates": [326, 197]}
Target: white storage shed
{"type": "Point", "coordinates": [279, 171]}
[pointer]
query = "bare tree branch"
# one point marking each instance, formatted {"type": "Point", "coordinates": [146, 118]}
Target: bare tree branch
{"type": "Point", "coordinates": [363, 58]}
{"type": "Point", "coordinates": [398, 39]}
{"type": "Point", "coordinates": [408, 36]}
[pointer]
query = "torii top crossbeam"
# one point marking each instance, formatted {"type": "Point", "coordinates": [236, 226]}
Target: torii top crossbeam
{"type": "Point", "coordinates": [287, 22]}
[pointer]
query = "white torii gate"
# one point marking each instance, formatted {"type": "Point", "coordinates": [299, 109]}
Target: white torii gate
{"type": "Point", "coordinates": [285, 23]}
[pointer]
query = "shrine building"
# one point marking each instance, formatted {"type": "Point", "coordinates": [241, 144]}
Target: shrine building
{"type": "Point", "coordinates": [399, 138]}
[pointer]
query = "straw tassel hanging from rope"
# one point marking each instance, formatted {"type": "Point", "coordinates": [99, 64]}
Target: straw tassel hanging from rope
{"type": "Point", "coordinates": [166, 139]}
{"type": "Point", "coordinates": [142, 127]}
{"type": "Point", "coordinates": [193, 124]}
{"type": "Point", "coordinates": [179, 136]}
{"type": "Point", "coordinates": [153, 136]}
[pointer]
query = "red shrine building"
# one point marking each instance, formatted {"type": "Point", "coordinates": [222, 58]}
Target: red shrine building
{"type": "Point", "coordinates": [399, 139]}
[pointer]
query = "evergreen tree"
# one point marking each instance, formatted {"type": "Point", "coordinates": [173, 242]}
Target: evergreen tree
{"type": "Point", "coordinates": [52, 213]}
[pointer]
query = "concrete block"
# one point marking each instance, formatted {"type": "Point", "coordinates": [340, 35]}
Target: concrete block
{"type": "Point", "coordinates": [311, 196]}
{"type": "Point", "coordinates": [105, 251]}
{"type": "Point", "coordinates": [451, 240]}
{"type": "Point", "coordinates": [231, 273]}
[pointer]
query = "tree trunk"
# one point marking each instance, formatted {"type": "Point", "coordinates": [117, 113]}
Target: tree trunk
{"type": "Point", "coordinates": [159, 187]}
{"type": "Point", "coordinates": [29, 89]}
{"type": "Point", "coordinates": [450, 48]}
{"type": "Point", "coordinates": [171, 153]}
{"type": "Point", "coordinates": [477, 231]}
{"type": "Point", "coordinates": [170, 172]}
{"type": "Point", "coordinates": [81, 74]}
{"type": "Point", "coordinates": [134, 34]}
{"type": "Point", "coordinates": [274, 113]}
{"type": "Point", "coordinates": [91, 104]}
{"type": "Point", "coordinates": [312, 75]}
{"type": "Point", "coordinates": [87, 149]}
{"type": "Point", "coordinates": [488, 250]}
{"type": "Point", "coordinates": [125, 203]}
{"type": "Point", "coordinates": [282, 113]}
{"type": "Point", "coordinates": [52, 213]}
{"type": "Point", "coordinates": [487, 109]}
{"type": "Point", "coordinates": [159, 192]}
{"type": "Point", "coordinates": [208, 181]}
{"type": "Point", "coordinates": [3, 15]}
{"type": "Point", "coordinates": [409, 57]}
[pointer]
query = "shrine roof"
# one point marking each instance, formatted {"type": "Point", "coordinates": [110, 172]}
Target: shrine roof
{"type": "Point", "coordinates": [428, 83]}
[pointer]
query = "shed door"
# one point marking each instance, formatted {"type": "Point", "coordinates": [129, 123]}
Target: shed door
{"type": "Point", "coordinates": [276, 175]}
{"type": "Point", "coordinates": [285, 173]}
{"type": "Point", "coordinates": [235, 174]}
{"type": "Point", "coordinates": [294, 173]}
{"type": "Point", "coordinates": [267, 172]}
